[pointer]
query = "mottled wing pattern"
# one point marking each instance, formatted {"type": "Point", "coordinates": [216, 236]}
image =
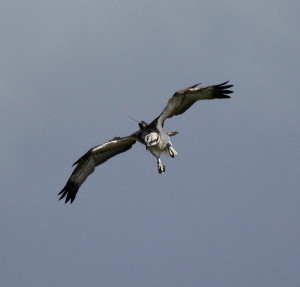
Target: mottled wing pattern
{"type": "Point", "coordinates": [87, 163]}
{"type": "Point", "coordinates": [184, 99]}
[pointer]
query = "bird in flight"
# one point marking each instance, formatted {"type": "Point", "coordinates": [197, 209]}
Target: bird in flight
{"type": "Point", "coordinates": [152, 135]}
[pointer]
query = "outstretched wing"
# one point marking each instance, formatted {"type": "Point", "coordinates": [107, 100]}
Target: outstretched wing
{"type": "Point", "coordinates": [87, 163]}
{"type": "Point", "coordinates": [184, 99]}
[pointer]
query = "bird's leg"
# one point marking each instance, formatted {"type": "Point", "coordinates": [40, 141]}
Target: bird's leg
{"type": "Point", "coordinates": [160, 166]}
{"type": "Point", "coordinates": [172, 152]}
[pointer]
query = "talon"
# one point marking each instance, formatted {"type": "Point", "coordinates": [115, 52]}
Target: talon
{"type": "Point", "coordinates": [172, 152]}
{"type": "Point", "coordinates": [161, 167]}
{"type": "Point", "coordinates": [161, 170]}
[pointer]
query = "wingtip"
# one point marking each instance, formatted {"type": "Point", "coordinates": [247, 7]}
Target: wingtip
{"type": "Point", "coordinates": [63, 194]}
{"type": "Point", "coordinates": [222, 90]}
{"type": "Point", "coordinates": [69, 192]}
{"type": "Point", "coordinates": [224, 85]}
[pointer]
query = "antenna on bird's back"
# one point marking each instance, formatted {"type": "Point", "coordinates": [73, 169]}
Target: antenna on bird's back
{"type": "Point", "coordinates": [133, 119]}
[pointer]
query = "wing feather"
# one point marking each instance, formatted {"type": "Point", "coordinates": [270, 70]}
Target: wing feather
{"type": "Point", "coordinates": [184, 99]}
{"type": "Point", "coordinates": [87, 163]}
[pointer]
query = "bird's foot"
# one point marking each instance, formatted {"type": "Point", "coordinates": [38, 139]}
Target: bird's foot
{"type": "Point", "coordinates": [160, 166]}
{"type": "Point", "coordinates": [172, 152]}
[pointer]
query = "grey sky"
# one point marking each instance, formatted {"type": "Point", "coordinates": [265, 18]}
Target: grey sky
{"type": "Point", "coordinates": [225, 213]}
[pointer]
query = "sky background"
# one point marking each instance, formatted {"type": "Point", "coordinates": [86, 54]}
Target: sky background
{"type": "Point", "coordinates": [227, 210]}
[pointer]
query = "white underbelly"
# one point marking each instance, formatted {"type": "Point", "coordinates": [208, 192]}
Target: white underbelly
{"type": "Point", "coordinates": [157, 151]}
{"type": "Point", "coordinates": [164, 140]}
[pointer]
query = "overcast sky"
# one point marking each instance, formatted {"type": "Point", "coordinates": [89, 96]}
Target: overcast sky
{"type": "Point", "coordinates": [227, 210]}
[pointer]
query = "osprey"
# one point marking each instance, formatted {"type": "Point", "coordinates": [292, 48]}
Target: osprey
{"type": "Point", "coordinates": [152, 135]}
